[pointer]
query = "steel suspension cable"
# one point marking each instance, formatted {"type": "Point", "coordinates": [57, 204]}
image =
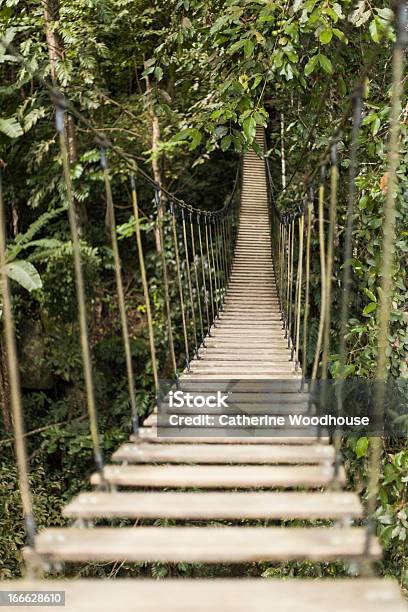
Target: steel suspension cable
{"type": "Point", "coordinates": [15, 387]}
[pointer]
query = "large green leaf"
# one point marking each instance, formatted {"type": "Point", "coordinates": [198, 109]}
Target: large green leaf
{"type": "Point", "coordinates": [11, 128]}
{"type": "Point", "coordinates": [24, 273]}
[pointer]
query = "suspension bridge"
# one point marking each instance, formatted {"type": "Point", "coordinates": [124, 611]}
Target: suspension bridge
{"type": "Point", "coordinates": [242, 277]}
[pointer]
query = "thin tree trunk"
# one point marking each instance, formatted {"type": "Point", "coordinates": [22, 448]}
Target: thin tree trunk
{"type": "Point", "coordinates": [4, 390]}
{"type": "Point", "coordinates": [51, 14]}
{"type": "Point", "coordinates": [155, 139]}
{"type": "Point", "coordinates": [283, 156]}
{"type": "Point", "coordinates": [56, 53]}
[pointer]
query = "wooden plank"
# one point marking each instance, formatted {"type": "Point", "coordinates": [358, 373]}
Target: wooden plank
{"type": "Point", "coordinates": [282, 387]}
{"type": "Point", "coordinates": [236, 370]}
{"type": "Point", "coordinates": [207, 364]}
{"type": "Point", "coordinates": [149, 434]}
{"type": "Point", "coordinates": [204, 544]}
{"type": "Point", "coordinates": [218, 453]}
{"type": "Point", "coordinates": [245, 323]}
{"type": "Point", "coordinates": [215, 505]}
{"type": "Point", "coordinates": [242, 376]}
{"type": "Point", "coordinates": [217, 354]}
{"type": "Point", "coordinates": [245, 343]}
{"type": "Point", "coordinates": [219, 476]}
{"type": "Point", "coordinates": [222, 595]}
{"type": "Point", "coordinates": [237, 407]}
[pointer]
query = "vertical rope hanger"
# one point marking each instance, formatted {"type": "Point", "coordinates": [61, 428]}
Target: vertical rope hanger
{"type": "Point", "coordinates": [222, 257]}
{"type": "Point", "coordinates": [225, 245]}
{"type": "Point", "coordinates": [307, 286]}
{"type": "Point", "coordinates": [322, 274]}
{"type": "Point", "coordinates": [282, 274]}
{"type": "Point", "coordinates": [214, 267]}
{"type": "Point", "coordinates": [180, 285]}
{"type": "Point", "coordinates": [209, 266]}
{"type": "Point", "coordinates": [388, 251]}
{"type": "Point", "coordinates": [145, 285]}
{"type": "Point", "coordinates": [197, 284]}
{"type": "Point", "coordinates": [290, 287]}
{"type": "Point", "coordinates": [289, 232]}
{"type": "Point", "coordinates": [299, 291]}
{"type": "Point", "coordinates": [202, 260]}
{"type": "Point", "coordinates": [166, 285]}
{"type": "Point", "coordinates": [15, 389]}
{"type": "Point", "coordinates": [120, 291]}
{"type": "Point", "coordinates": [334, 177]}
{"type": "Point", "coordinates": [189, 284]}
{"type": "Point", "coordinates": [346, 276]}
{"type": "Point", "coordinates": [80, 290]}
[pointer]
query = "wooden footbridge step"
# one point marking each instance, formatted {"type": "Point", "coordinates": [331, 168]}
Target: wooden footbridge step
{"type": "Point", "coordinates": [196, 480]}
{"type": "Point", "coordinates": [244, 595]}
{"type": "Point", "coordinates": [219, 476]}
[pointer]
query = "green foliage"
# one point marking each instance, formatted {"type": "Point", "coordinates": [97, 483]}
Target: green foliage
{"type": "Point", "coordinates": [59, 272]}
{"type": "Point", "coordinates": [24, 273]}
{"type": "Point", "coordinates": [216, 71]}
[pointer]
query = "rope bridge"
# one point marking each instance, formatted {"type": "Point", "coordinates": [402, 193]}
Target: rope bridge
{"type": "Point", "coordinates": [242, 279]}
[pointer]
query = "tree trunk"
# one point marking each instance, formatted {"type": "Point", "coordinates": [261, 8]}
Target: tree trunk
{"type": "Point", "coordinates": [155, 139]}
{"type": "Point", "coordinates": [4, 390]}
{"type": "Point", "coordinates": [56, 53]}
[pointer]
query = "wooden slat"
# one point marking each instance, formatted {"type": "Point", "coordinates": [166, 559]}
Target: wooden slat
{"type": "Point", "coordinates": [204, 544]}
{"type": "Point", "coordinates": [254, 408]}
{"type": "Point", "coordinates": [275, 386]}
{"type": "Point", "coordinates": [222, 595]}
{"type": "Point", "coordinates": [219, 476]}
{"type": "Point", "coordinates": [199, 453]}
{"type": "Point", "coordinates": [149, 434]}
{"type": "Point", "coordinates": [241, 376]}
{"type": "Point", "coordinates": [288, 505]}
